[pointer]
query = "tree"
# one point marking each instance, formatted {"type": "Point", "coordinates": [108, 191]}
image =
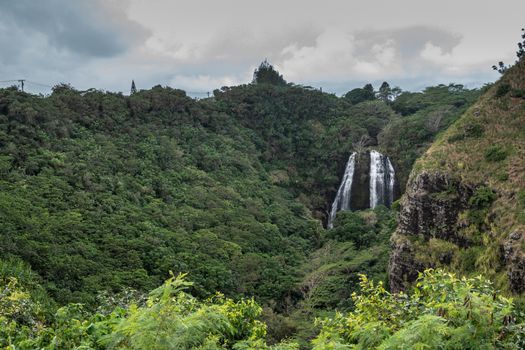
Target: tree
{"type": "Point", "coordinates": [358, 95]}
{"type": "Point", "coordinates": [502, 67]}
{"type": "Point", "coordinates": [385, 92]}
{"type": "Point", "coordinates": [266, 74]}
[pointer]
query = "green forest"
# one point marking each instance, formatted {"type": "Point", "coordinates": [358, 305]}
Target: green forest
{"type": "Point", "coordinates": [160, 221]}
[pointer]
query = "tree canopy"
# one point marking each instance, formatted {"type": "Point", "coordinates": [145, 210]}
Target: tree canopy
{"type": "Point", "coordinates": [266, 74]}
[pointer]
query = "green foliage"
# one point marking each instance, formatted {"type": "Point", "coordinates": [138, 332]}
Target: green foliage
{"type": "Point", "coordinates": [502, 89]}
{"type": "Point", "coordinates": [482, 197]}
{"type": "Point", "coordinates": [441, 311]}
{"type": "Point", "coordinates": [385, 92]}
{"type": "Point", "coordinates": [518, 93]}
{"type": "Point", "coordinates": [266, 74]}
{"type": "Point", "coordinates": [101, 191]}
{"type": "Point", "coordinates": [103, 194]}
{"type": "Point", "coordinates": [358, 244]}
{"type": "Point", "coordinates": [474, 130]}
{"type": "Point", "coordinates": [359, 95]}
{"type": "Point", "coordinates": [495, 153]}
{"type": "Point", "coordinates": [170, 319]}
{"type": "Point", "coordinates": [423, 116]}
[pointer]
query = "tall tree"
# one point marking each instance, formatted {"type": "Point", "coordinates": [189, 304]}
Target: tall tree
{"type": "Point", "coordinates": [266, 74]}
{"type": "Point", "coordinates": [385, 92]}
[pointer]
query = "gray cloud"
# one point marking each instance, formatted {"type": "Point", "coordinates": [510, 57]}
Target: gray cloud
{"type": "Point", "coordinates": [247, 44]}
{"type": "Point", "coordinates": [90, 28]}
{"type": "Point", "coordinates": [409, 41]}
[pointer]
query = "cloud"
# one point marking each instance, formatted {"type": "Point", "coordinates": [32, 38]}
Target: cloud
{"type": "Point", "coordinates": [94, 28]}
{"type": "Point", "coordinates": [202, 83]}
{"type": "Point", "coordinates": [339, 55]}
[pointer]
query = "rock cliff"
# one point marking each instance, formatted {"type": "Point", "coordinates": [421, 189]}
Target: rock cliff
{"type": "Point", "coordinates": [429, 209]}
{"type": "Point", "coordinates": [464, 205]}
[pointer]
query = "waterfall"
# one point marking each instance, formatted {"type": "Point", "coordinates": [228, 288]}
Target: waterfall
{"type": "Point", "coordinates": [391, 177]}
{"type": "Point", "coordinates": [342, 198]}
{"type": "Point", "coordinates": [382, 180]}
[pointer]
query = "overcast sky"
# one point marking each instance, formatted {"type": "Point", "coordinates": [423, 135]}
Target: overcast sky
{"type": "Point", "coordinates": [200, 45]}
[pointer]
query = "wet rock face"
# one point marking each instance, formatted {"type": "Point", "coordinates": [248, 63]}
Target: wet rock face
{"type": "Point", "coordinates": [515, 260]}
{"type": "Point", "coordinates": [429, 209]}
{"type": "Point", "coordinates": [360, 186]}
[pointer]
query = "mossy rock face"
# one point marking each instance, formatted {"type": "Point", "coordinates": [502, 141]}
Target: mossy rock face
{"type": "Point", "coordinates": [361, 183]}
{"type": "Point", "coordinates": [432, 205]}
{"type": "Point", "coordinates": [430, 210]}
{"type": "Point", "coordinates": [514, 256]}
{"type": "Point", "coordinates": [403, 267]}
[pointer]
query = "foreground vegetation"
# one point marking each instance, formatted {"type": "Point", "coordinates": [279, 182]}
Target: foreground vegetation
{"type": "Point", "coordinates": [441, 312]}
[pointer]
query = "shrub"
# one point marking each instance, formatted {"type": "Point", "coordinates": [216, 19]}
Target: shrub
{"type": "Point", "coordinates": [503, 89]}
{"type": "Point", "coordinates": [495, 154]}
{"type": "Point", "coordinates": [456, 137]}
{"type": "Point", "coordinates": [518, 93]}
{"type": "Point", "coordinates": [474, 130]}
{"type": "Point", "coordinates": [470, 130]}
{"type": "Point", "coordinates": [396, 206]}
{"type": "Point", "coordinates": [482, 198]}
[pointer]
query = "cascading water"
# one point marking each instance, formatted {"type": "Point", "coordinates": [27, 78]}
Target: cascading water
{"type": "Point", "coordinates": [381, 182]}
{"type": "Point", "coordinates": [342, 198]}
{"type": "Point", "coordinates": [391, 183]}
{"type": "Point", "coordinates": [382, 179]}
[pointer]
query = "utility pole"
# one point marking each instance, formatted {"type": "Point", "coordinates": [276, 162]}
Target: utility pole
{"type": "Point", "coordinates": [21, 81]}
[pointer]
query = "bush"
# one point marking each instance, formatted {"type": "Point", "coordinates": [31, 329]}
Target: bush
{"type": "Point", "coordinates": [442, 311]}
{"type": "Point", "coordinates": [495, 154]}
{"type": "Point", "coordinates": [474, 130]}
{"type": "Point", "coordinates": [482, 197]}
{"type": "Point", "coordinates": [503, 89]}
{"type": "Point", "coordinates": [518, 93]}
{"type": "Point", "coordinates": [470, 130]}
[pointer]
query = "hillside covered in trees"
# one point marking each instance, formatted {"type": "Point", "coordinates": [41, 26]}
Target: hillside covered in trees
{"type": "Point", "coordinates": [103, 197]}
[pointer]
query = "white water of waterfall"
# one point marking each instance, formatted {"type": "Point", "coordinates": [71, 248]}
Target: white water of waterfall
{"type": "Point", "coordinates": [342, 198]}
{"type": "Point", "coordinates": [376, 178]}
{"type": "Point", "coordinates": [382, 178]}
{"type": "Point", "coordinates": [391, 183]}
